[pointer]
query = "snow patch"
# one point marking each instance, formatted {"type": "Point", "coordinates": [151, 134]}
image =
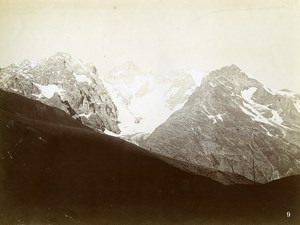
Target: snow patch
{"type": "Point", "coordinates": [48, 90]}
{"type": "Point", "coordinates": [254, 114]}
{"type": "Point", "coordinates": [276, 118]}
{"type": "Point", "coordinates": [82, 78]}
{"type": "Point", "coordinates": [252, 108]}
{"type": "Point", "coordinates": [247, 112]}
{"type": "Point", "coordinates": [85, 115]}
{"type": "Point", "coordinates": [248, 93]}
{"type": "Point", "coordinates": [268, 132]}
{"type": "Point", "coordinates": [219, 116]}
{"type": "Point", "coordinates": [110, 133]}
{"type": "Point", "coordinates": [39, 96]}
{"type": "Point", "coordinates": [212, 117]}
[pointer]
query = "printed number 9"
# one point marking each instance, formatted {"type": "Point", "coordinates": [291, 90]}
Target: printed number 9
{"type": "Point", "coordinates": [288, 214]}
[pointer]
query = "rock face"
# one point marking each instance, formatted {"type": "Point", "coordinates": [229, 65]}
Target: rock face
{"type": "Point", "coordinates": [65, 83]}
{"type": "Point", "coordinates": [145, 99]}
{"type": "Point", "coordinates": [232, 123]}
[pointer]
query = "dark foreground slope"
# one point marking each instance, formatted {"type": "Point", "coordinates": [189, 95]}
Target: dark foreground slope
{"type": "Point", "coordinates": [57, 173]}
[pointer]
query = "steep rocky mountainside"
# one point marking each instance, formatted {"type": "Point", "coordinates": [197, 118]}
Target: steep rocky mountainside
{"type": "Point", "coordinates": [54, 170]}
{"type": "Point", "coordinates": [145, 99]}
{"type": "Point", "coordinates": [67, 84]}
{"type": "Point", "coordinates": [232, 123]}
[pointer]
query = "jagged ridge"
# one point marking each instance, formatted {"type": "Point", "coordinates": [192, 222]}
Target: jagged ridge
{"type": "Point", "coordinates": [65, 83]}
{"type": "Point", "coordinates": [232, 123]}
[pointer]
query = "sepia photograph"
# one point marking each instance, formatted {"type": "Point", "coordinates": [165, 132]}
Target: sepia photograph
{"type": "Point", "coordinates": [157, 112]}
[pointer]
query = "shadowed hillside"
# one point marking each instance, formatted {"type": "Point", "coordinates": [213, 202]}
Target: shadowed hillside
{"type": "Point", "coordinates": [56, 171]}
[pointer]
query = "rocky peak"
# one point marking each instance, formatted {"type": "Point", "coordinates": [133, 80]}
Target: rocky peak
{"type": "Point", "coordinates": [61, 56]}
{"type": "Point", "coordinates": [229, 76]}
{"type": "Point", "coordinates": [234, 124]}
{"type": "Point", "coordinates": [66, 83]}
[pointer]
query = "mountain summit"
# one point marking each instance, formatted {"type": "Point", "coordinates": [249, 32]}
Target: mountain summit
{"type": "Point", "coordinates": [234, 124]}
{"type": "Point", "coordinates": [65, 83]}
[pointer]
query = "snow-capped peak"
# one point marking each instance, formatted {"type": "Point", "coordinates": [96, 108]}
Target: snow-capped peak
{"type": "Point", "coordinates": [144, 99]}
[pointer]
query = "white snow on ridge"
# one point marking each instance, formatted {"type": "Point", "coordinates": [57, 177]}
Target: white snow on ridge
{"type": "Point", "coordinates": [48, 90]}
{"type": "Point", "coordinates": [212, 117]}
{"type": "Point", "coordinates": [109, 133]}
{"type": "Point", "coordinates": [219, 116]}
{"type": "Point", "coordinates": [276, 118]}
{"type": "Point", "coordinates": [85, 115]}
{"type": "Point", "coordinates": [268, 132]}
{"type": "Point", "coordinates": [255, 107]}
{"type": "Point", "coordinates": [82, 78]}
{"type": "Point", "coordinates": [248, 93]}
{"type": "Point", "coordinates": [39, 96]}
{"type": "Point", "coordinates": [254, 113]}
{"type": "Point", "coordinates": [246, 111]}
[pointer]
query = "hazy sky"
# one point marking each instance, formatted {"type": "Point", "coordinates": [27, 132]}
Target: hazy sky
{"type": "Point", "coordinates": [261, 37]}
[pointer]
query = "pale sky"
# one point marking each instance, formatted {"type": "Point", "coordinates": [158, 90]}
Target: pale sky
{"type": "Point", "coordinates": [261, 37]}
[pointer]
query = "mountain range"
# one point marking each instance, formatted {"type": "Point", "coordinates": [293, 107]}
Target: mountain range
{"type": "Point", "coordinates": [230, 128]}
